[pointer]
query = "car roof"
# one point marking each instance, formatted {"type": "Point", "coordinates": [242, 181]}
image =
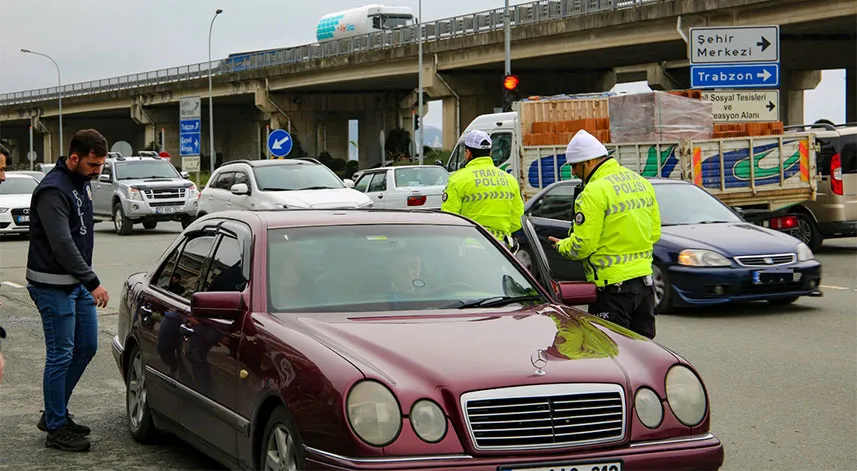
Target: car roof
{"type": "Point", "coordinates": [653, 181]}
{"type": "Point", "coordinates": [272, 219]}
{"type": "Point", "coordinates": [267, 163]}
{"type": "Point", "coordinates": [396, 167]}
{"type": "Point", "coordinates": [12, 175]}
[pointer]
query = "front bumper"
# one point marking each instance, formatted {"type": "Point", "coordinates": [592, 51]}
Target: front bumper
{"type": "Point", "coordinates": [695, 286]}
{"type": "Point", "coordinates": [10, 224]}
{"type": "Point", "coordinates": [701, 452]}
{"type": "Point", "coordinates": [160, 210]}
{"type": "Point", "coordinates": [118, 350]}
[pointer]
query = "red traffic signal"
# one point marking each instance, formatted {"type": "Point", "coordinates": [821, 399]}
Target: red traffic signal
{"type": "Point", "coordinates": [510, 82]}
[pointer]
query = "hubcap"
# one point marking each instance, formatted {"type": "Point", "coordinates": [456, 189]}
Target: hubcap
{"type": "Point", "coordinates": [118, 222]}
{"type": "Point", "coordinates": [660, 285]}
{"type": "Point", "coordinates": [281, 450]}
{"type": "Point", "coordinates": [136, 391]}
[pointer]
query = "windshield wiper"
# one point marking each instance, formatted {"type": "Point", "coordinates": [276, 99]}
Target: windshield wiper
{"type": "Point", "coordinates": [277, 189]}
{"type": "Point", "coordinates": [497, 301]}
{"type": "Point", "coordinates": [316, 188]}
{"type": "Point", "coordinates": [713, 222]}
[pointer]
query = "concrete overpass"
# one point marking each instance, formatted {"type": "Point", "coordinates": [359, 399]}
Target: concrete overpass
{"type": "Point", "coordinates": [558, 46]}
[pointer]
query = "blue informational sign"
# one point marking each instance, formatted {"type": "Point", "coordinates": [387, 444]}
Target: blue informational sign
{"type": "Point", "coordinates": [189, 136]}
{"type": "Point", "coordinates": [735, 76]}
{"type": "Point", "coordinates": [280, 143]}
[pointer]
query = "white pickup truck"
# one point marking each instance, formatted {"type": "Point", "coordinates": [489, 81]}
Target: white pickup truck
{"type": "Point", "coordinates": [781, 172]}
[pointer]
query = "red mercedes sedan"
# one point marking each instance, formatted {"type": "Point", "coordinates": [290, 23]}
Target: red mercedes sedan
{"type": "Point", "coordinates": [393, 340]}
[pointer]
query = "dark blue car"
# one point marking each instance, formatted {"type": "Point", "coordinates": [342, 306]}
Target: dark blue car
{"type": "Point", "coordinates": [707, 253]}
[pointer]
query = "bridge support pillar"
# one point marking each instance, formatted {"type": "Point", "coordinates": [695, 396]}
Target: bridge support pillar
{"type": "Point", "coordinates": [452, 125]}
{"type": "Point", "coordinates": [792, 85]}
{"type": "Point", "coordinates": [851, 95]}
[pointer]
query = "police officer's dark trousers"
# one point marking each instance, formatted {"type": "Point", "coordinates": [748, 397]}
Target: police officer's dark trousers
{"type": "Point", "coordinates": [630, 304]}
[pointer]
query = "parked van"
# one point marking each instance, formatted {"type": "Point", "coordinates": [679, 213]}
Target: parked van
{"type": "Point", "coordinates": [833, 214]}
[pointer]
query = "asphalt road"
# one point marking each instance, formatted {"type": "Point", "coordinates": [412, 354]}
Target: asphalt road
{"type": "Point", "coordinates": [783, 381]}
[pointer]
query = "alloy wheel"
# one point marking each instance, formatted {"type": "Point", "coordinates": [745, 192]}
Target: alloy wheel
{"type": "Point", "coordinates": [282, 451]}
{"type": "Point", "coordinates": [136, 391]}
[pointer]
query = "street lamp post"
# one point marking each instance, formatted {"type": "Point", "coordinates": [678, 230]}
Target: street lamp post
{"type": "Point", "coordinates": [420, 109]}
{"type": "Point", "coordinates": [211, 95]}
{"type": "Point", "coordinates": [508, 39]}
{"type": "Point", "coordinates": [59, 88]}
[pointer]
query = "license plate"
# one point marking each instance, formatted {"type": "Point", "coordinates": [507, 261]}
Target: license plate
{"type": "Point", "coordinates": [165, 210]}
{"type": "Point", "coordinates": [769, 277]}
{"type": "Point", "coordinates": [606, 466]}
{"type": "Point", "coordinates": [21, 219]}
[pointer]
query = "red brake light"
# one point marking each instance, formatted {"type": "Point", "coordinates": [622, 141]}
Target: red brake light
{"type": "Point", "coordinates": [836, 174]}
{"type": "Point", "coordinates": [784, 222]}
{"type": "Point", "coordinates": [417, 200]}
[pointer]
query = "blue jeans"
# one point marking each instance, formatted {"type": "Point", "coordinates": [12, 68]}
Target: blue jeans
{"type": "Point", "coordinates": [70, 323]}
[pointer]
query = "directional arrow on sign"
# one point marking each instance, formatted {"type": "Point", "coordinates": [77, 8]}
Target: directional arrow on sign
{"type": "Point", "coordinates": [278, 143]}
{"type": "Point", "coordinates": [771, 106]}
{"type": "Point", "coordinates": [764, 43]}
{"type": "Point", "coordinates": [764, 75]}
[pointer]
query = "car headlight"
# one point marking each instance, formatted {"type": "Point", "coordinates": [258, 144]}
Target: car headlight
{"type": "Point", "coordinates": [686, 396]}
{"type": "Point", "coordinates": [135, 194]}
{"type": "Point", "coordinates": [374, 413]}
{"type": "Point", "coordinates": [3, 210]}
{"type": "Point", "coordinates": [702, 258]}
{"type": "Point", "coordinates": [428, 421]}
{"type": "Point", "coordinates": [649, 409]}
{"type": "Point", "coordinates": [368, 204]}
{"type": "Point", "coordinates": [804, 253]}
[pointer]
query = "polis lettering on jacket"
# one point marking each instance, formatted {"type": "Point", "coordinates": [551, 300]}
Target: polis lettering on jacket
{"type": "Point", "coordinates": [627, 183]}
{"type": "Point", "coordinates": [490, 178]}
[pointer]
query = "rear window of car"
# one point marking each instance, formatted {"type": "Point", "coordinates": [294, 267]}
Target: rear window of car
{"type": "Point", "coordinates": [844, 145]}
{"type": "Point", "coordinates": [419, 177]}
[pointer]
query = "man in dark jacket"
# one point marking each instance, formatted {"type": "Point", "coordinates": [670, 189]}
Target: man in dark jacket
{"type": "Point", "coordinates": [62, 284]}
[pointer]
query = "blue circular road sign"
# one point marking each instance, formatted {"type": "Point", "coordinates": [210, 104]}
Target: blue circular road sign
{"type": "Point", "coordinates": [280, 143]}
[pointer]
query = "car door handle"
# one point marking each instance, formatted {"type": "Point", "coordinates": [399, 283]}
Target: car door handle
{"type": "Point", "coordinates": [146, 312]}
{"type": "Point", "coordinates": [380, 197]}
{"type": "Point", "coordinates": [187, 330]}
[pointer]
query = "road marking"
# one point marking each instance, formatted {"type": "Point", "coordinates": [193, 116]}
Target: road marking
{"type": "Point", "coordinates": [835, 287]}
{"type": "Point", "coordinates": [11, 284]}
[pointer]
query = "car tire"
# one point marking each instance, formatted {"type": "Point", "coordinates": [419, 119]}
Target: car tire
{"type": "Point", "coordinates": [150, 224]}
{"type": "Point", "coordinates": [137, 411]}
{"type": "Point", "coordinates": [186, 221]}
{"type": "Point", "coordinates": [121, 224]}
{"type": "Point", "coordinates": [281, 441]}
{"type": "Point", "coordinates": [808, 232]}
{"type": "Point", "coordinates": [663, 303]}
{"type": "Point", "coordinates": [784, 301]}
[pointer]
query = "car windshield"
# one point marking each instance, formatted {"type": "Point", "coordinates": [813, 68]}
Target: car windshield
{"type": "Point", "coordinates": [383, 268]}
{"type": "Point", "coordinates": [688, 204]}
{"type": "Point", "coordinates": [418, 177]}
{"type": "Point", "coordinates": [18, 186]}
{"type": "Point", "coordinates": [145, 169]}
{"type": "Point", "coordinates": [296, 177]}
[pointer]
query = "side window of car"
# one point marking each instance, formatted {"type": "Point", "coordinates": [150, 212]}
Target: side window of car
{"type": "Point", "coordinates": [558, 203]}
{"type": "Point", "coordinates": [363, 183]}
{"type": "Point", "coordinates": [165, 273]}
{"type": "Point", "coordinates": [226, 271]}
{"type": "Point", "coordinates": [107, 170]}
{"type": "Point", "coordinates": [456, 158]}
{"type": "Point", "coordinates": [379, 182]}
{"type": "Point", "coordinates": [241, 177]}
{"type": "Point", "coordinates": [185, 277]}
{"type": "Point", "coordinates": [224, 181]}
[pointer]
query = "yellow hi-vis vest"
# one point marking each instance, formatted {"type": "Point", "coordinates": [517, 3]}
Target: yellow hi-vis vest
{"type": "Point", "coordinates": [486, 194]}
{"type": "Point", "coordinates": [616, 224]}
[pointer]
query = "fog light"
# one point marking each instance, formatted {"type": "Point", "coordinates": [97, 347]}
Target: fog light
{"type": "Point", "coordinates": [719, 289]}
{"type": "Point", "coordinates": [813, 284]}
{"type": "Point", "coordinates": [136, 207]}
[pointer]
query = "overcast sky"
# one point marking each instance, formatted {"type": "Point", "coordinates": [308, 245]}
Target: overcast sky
{"type": "Point", "coordinates": [94, 39]}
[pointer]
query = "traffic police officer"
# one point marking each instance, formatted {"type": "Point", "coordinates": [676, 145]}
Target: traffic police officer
{"type": "Point", "coordinates": [484, 193]}
{"type": "Point", "coordinates": [616, 224]}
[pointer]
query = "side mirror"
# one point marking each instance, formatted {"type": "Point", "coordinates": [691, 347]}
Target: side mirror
{"type": "Point", "coordinates": [574, 294]}
{"type": "Point", "coordinates": [217, 305]}
{"type": "Point", "coordinates": [185, 175]}
{"type": "Point", "coordinates": [439, 163]}
{"type": "Point", "coordinates": [348, 182]}
{"type": "Point", "coordinates": [239, 189]}
{"type": "Point", "coordinates": [104, 178]}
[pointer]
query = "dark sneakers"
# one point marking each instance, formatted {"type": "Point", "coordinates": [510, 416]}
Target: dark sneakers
{"type": "Point", "coordinates": [66, 439]}
{"type": "Point", "coordinates": [81, 430]}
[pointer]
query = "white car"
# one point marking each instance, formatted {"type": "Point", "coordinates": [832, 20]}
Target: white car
{"type": "Point", "coordinates": [15, 195]}
{"type": "Point", "coordinates": [277, 184]}
{"type": "Point", "coordinates": [405, 187]}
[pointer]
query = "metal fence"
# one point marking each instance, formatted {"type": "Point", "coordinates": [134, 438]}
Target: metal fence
{"type": "Point", "coordinates": [485, 21]}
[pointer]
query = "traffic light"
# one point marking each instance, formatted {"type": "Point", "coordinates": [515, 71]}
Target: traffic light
{"type": "Point", "coordinates": [416, 121]}
{"type": "Point", "coordinates": [510, 91]}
